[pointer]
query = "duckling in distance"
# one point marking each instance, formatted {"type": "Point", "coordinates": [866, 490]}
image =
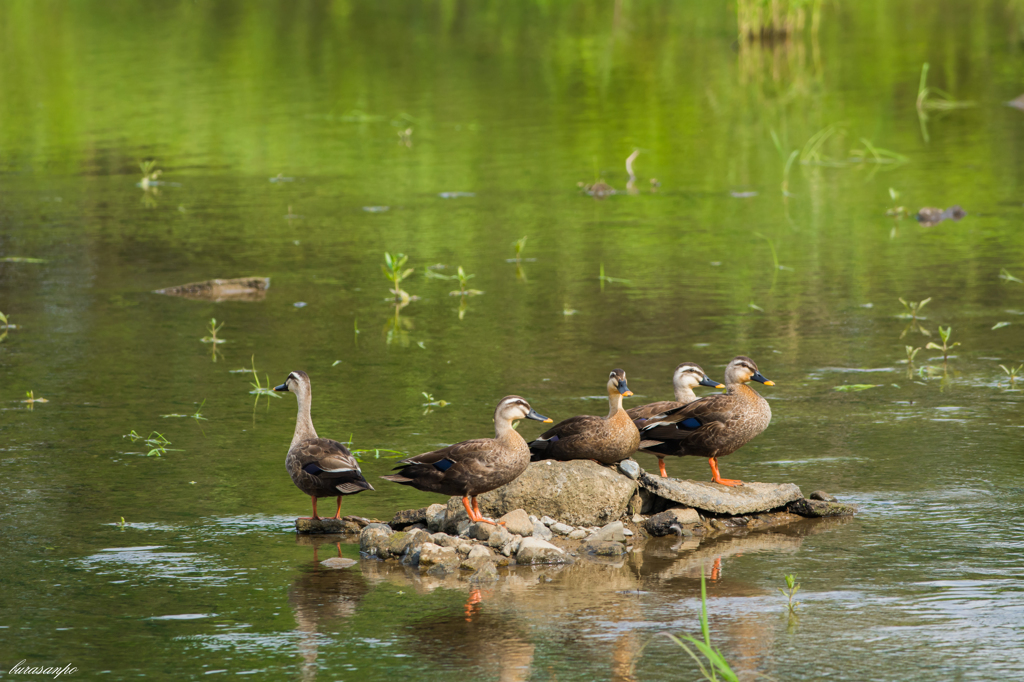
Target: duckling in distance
{"type": "Point", "coordinates": [606, 440]}
{"type": "Point", "coordinates": [473, 467]}
{"type": "Point", "coordinates": [716, 425]}
{"type": "Point", "coordinates": [687, 376]}
{"type": "Point", "coordinates": [320, 467]}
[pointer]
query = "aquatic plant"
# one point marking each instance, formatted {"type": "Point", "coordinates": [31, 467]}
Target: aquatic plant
{"type": "Point", "coordinates": [611, 280]}
{"type": "Point", "coordinates": [792, 587]}
{"type": "Point", "coordinates": [770, 20]}
{"type": "Point", "coordinates": [259, 389]}
{"type": "Point", "coordinates": [120, 524]}
{"type": "Point", "coordinates": [359, 453]}
{"type": "Point", "coordinates": [21, 259]}
{"type": "Point", "coordinates": [520, 246]}
{"type": "Point", "coordinates": [149, 173]}
{"type": "Point", "coordinates": [946, 346]}
{"type": "Point", "coordinates": [1013, 373]}
{"type": "Point", "coordinates": [934, 99]}
{"type": "Point", "coordinates": [715, 667]}
{"type": "Point", "coordinates": [432, 403]}
{"type": "Point", "coordinates": [913, 313]}
{"type": "Point", "coordinates": [1005, 275]}
{"type": "Point", "coordinates": [31, 399]}
{"type": "Point", "coordinates": [911, 354]}
{"type": "Point", "coordinates": [155, 440]}
{"type": "Point", "coordinates": [896, 211]}
{"type": "Point", "coordinates": [848, 388]}
{"type": "Point", "coordinates": [6, 325]}
{"type": "Point", "coordinates": [405, 137]}
{"type": "Point", "coordinates": [197, 415]}
{"type": "Point", "coordinates": [212, 330]}
{"type": "Point", "coordinates": [393, 271]}
{"type": "Point", "coordinates": [787, 162]}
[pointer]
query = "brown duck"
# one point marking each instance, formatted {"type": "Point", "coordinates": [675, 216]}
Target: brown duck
{"type": "Point", "coordinates": [475, 466]}
{"type": "Point", "coordinates": [713, 426]}
{"type": "Point", "coordinates": [320, 467]}
{"type": "Point", "coordinates": [605, 440]}
{"type": "Point", "coordinates": [687, 377]}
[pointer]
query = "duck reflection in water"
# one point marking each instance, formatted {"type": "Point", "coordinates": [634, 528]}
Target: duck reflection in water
{"type": "Point", "coordinates": [320, 597]}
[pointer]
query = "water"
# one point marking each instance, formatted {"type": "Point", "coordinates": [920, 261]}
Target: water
{"type": "Point", "coordinates": [514, 105]}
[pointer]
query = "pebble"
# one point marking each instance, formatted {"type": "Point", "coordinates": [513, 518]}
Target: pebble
{"type": "Point", "coordinates": [630, 468]}
{"type": "Point", "coordinates": [627, 532]}
{"type": "Point", "coordinates": [562, 528]}
{"type": "Point", "coordinates": [547, 520]}
{"type": "Point", "coordinates": [541, 532]}
{"type": "Point", "coordinates": [578, 534]}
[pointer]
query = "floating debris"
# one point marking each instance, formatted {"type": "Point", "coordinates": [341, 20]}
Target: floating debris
{"type": "Point", "coordinates": [376, 209]}
{"type": "Point", "coordinates": [742, 195]}
{"type": "Point", "coordinates": [856, 387]}
{"type": "Point", "coordinates": [456, 195]}
{"type": "Point", "coordinates": [598, 190]}
{"type": "Point", "coordinates": [300, 304]}
{"type": "Point", "coordinates": [281, 178]}
{"type": "Point", "coordinates": [217, 290]}
{"type": "Point", "coordinates": [930, 216]}
{"type": "Point", "coordinates": [21, 259]}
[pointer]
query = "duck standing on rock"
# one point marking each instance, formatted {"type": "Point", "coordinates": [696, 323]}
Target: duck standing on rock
{"type": "Point", "coordinates": [687, 377]}
{"type": "Point", "coordinates": [473, 467]}
{"type": "Point", "coordinates": [320, 467]}
{"type": "Point", "coordinates": [606, 440]}
{"type": "Point", "coordinates": [713, 426]}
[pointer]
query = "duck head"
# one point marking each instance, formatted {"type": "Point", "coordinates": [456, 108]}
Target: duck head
{"type": "Point", "coordinates": [617, 384]}
{"type": "Point", "coordinates": [297, 382]}
{"type": "Point", "coordinates": [513, 408]}
{"type": "Point", "coordinates": [742, 369]}
{"type": "Point", "coordinates": [690, 375]}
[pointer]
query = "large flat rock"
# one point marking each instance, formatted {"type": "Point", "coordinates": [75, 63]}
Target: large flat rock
{"type": "Point", "coordinates": [578, 492]}
{"type": "Point", "coordinates": [748, 498]}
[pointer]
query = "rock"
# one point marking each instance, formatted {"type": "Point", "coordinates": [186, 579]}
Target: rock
{"type": "Point", "coordinates": [382, 526]}
{"type": "Point", "coordinates": [613, 532]}
{"type": "Point", "coordinates": [517, 522]}
{"type": "Point", "coordinates": [456, 520]}
{"type": "Point", "coordinates": [661, 524]}
{"type": "Point", "coordinates": [512, 546]}
{"type": "Point", "coordinates": [408, 517]}
{"type": "Point", "coordinates": [499, 537]}
{"type": "Point", "coordinates": [373, 541]}
{"type": "Point", "coordinates": [216, 290]}
{"type": "Point", "coordinates": [533, 550]}
{"type": "Point", "coordinates": [578, 534]}
{"type": "Point", "coordinates": [547, 520]}
{"type": "Point", "coordinates": [445, 540]}
{"type": "Point", "coordinates": [712, 497]}
{"type": "Point", "coordinates": [822, 495]}
{"type": "Point", "coordinates": [562, 528]}
{"type": "Point", "coordinates": [636, 504]}
{"type": "Point", "coordinates": [820, 508]}
{"type": "Point", "coordinates": [541, 531]}
{"type": "Point", "coordinates": [481, 531]}
{"type": "Point", "coordinates": [338, 562]}
{"type": "Point", "coordinates": [628, 467]}
{"type": "Point", "coordinates": [433, 555]}
{"type": "Point", "coordinates": [318, 526]}
{"type": "Point", "coordinates": [627, 532]}
{"type": "Point", "coordinates": [398, 543]}
{"type": "Point", "coordinates": [577, 492]}
{"type": "Point", "coordinates": [465, 548]}
{"type": "Point", "coordinates": [609, 549]}
{"type": "Point", "coordinates": [480, 551]}
{"type": "Point", "coordinates": [435, 517]}
{"type": "Point", "coordinates": [533, 519]}
{"type": "Point", "coordinates": [487, 573]}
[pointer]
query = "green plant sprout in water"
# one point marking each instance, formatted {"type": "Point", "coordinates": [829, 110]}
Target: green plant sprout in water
{"type": "Point", "coordinates": [1005, 275]}
{"type": "Point", "coordinates": [520, 246]}
{"type": "Point", "coordinates": [611, 280]}
{"type": "Point", "coordinates": [31, 399]}
{"type": "Point", "coordinates": [121, 524]}
{"type": "Point", "coordinates": [913, 313]}
{"type": "Point", "coordinates": [197, 415]}
{"type": "Point", "coordinates": [715, 666]}
{"type": "Point", "coordinates": [149, 174]}
{"type": "Point", "coordinates": [154, 440]}
{"type": "Point", "coordinates": [359, 454]}
{"type": "Point", "coordinates": [911, 354]}
{"type": "Point", "coordinates": [431, 403]}
{"type": "Point", "coordinates": [259, 389]}
{"type": "Point", "coordinates": [934, 99]}
{"type": "Point", "coordinates": [792, 587]}
{"type": "Point", "coordinates": [6, 325]}
{"type": "Point", "coordinates": [1013, 373]}
{"type": "Point", "coordinates": [945, 347]}
{"type": "Point", "coordinates": [393, 271]}
{"type": "Point", "coordinates": [463, 279]}
{"type": "Point", "coordinates": [212, 338]}
{"type": "Point", "coordinates": [896, 211]}
{"type": "Point", "coordinates": [787, 162]}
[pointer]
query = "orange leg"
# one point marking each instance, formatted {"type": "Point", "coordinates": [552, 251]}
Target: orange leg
{"type": "Point", "coordinates": [716, 569]}
{"type": "Point", "coordinates": [717, 477]}
{"type": "Point", "coordinates": [472, 604]}
{"type": "Point", "coordinates": [661, 467]}
{"type": "Point", "coordinates": [337, 515]}
{"type": "Point", "coordinates": [314, 517]}
{"type": "Point", "coordinates": [474, 511]}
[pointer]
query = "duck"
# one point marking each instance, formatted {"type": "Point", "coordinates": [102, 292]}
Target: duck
{"type": "Point", "coordinates": [713, 426]}
{"type": "Point", "coordinates": [687, 376]}
{"type": "Point", "coordinates": [605, 440]}
{"type": "Point", "coordinates": [319, 467]}
{"type": "Point", "coordinates": [474, 467]}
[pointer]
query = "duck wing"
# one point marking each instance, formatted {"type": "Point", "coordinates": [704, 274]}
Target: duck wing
{"type": "Point", "coordinates": [563, 434]}
{"type": "Point", "coordinates": [641, 415]}
{"type": "Point", "coordinates": [696, 426]}
{"type": "Point", "coordinates": [330, 464]}
{"type": "Point", "coordinates": [454, 465]}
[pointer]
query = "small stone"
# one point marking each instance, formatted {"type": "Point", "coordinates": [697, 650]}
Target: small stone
{"type": "Point", "coordinates": [541, 531]}
{"type": "Point", "coordinates": [481, 531]}
{"type": "Point", "coordinates": [562, 528]}
{"type": "Point", "coordinates": [637, 518]}
{"type": "Point", "coordinates": [613, 532]}
{"type": "Point", "coordinates": [823, 496]}
{"type": "Point", "coordinates": [480, 551]}
{"type": "Point", "coordinates": [533, 519]}
{"type": "Point", "coordinates": [547, 520]}
{"type": "Point", "coordinates": [408, 517]}
{"type": "Point", "coordinates": [382, 526]}
{"type": "Point", "coordinates": [820, 508]}
{"type": "Point", "coordinates": [433, 555]}
{"type": "Point", "coordinates": [403, 542]}
{"type": "Point", "coordinates": [512, 546]}
{"type": "Point", "coordinates": [533, 550]}
{"type": "Point", "coordinates": [487, 573]}
{"type": "Point", "coordinates": [445, 540]}
{"type": "Point", "coordinates": [578, 534]}
{"type": "Point", "coordinates": [517, 522]}
{"type": "Point", "coordinates": [338, 562]}
{"type": "Point", "coordinates": [662, 524]}
{"type": "Point", "coordinates": [435, 517]}
{"type": "Point", "coordinates": [720, 524]}
{"type": "Point", "coordinates": [629, 468]}
{"type": "Point", "coordinates": [609, 549]}
{"type": "Point", "coordinates": [499, 537]}
{"type": "Point", "coordinates": [627, 532]}
{"type": "Point", "coordinates": [465, 548]}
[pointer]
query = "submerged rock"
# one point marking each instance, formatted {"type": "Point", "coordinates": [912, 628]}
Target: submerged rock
{"type": "Point", "coordinates": [820, 508]}
{"type": "Point", "coordinates": [536, 551]}
{"type": "Point", "coordinates": [613, 532]}
{"type": "Point", "coordinates": [321, 525]}
{"type": "Point", "coordinates": [338, 562]}
{"type": "Point", "coordinates": [822, 495]}
{"type": "Point", "coordinates": [432, 555]}
{"type": "Point", "coordinates": [487, 573]}
{"type": "Point", "coordinates": [216, 290]}
{"type": "Point", "coordinates": [578, 492]}
{"type": "Point", "coordinates": [712, 497]}
{"type": "Point", "coordinates": [662, 524]}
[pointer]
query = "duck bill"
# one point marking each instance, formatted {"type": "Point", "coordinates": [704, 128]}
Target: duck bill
{"type": "Point", "coordinates": [283, 388]}
{"type": "Point", "coordinates": [532, 414]}
{"type": "Point", "coordinates": [624, 390]}
{"type": "Point", "coordinates": [761, 378]}
{"type": "Point", "coordinates": [711, 384]}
